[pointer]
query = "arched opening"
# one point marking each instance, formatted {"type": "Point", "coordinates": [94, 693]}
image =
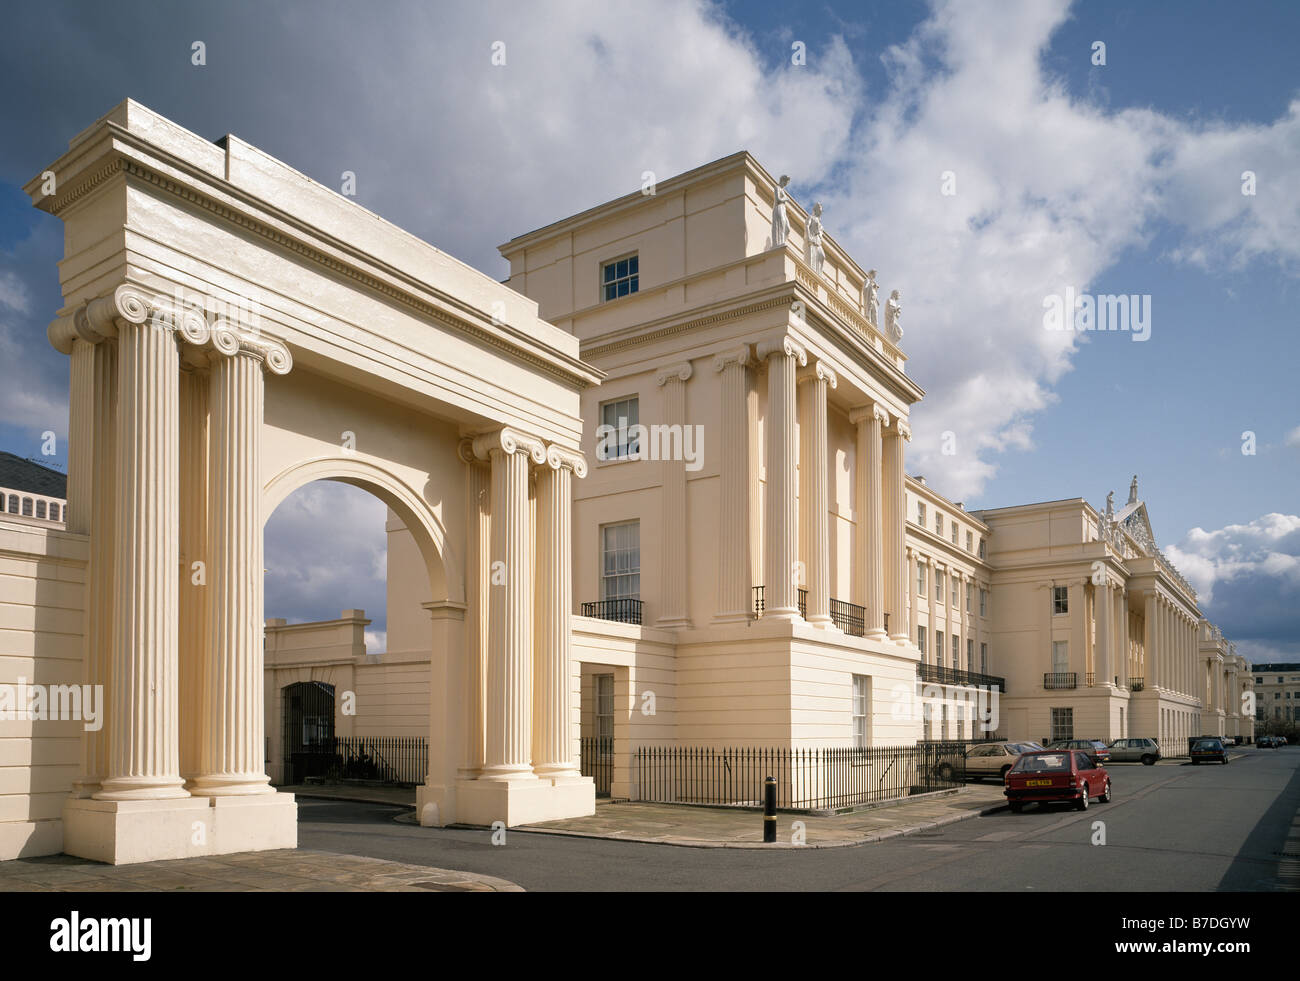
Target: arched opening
{"type": "Point", "coordinates": [347, 644]}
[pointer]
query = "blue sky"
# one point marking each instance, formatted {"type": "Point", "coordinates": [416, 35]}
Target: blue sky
{"type": "Point", "coordinates": [1116, 178]}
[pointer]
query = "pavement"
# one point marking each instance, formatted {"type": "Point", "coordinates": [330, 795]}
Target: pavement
{"type": "Point", "coordinates": [283, 870]}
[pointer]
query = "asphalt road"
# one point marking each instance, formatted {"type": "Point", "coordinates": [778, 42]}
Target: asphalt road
{"type": "Point", "coordinates": [1170, 828]}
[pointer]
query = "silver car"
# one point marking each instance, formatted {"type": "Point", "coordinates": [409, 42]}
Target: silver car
{"type": "Point", "coordinates": [1145, 751]}
{"type": "Point", "coordinates": [995, 759]}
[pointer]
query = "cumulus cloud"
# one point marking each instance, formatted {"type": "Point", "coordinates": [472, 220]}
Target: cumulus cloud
{"type": "Point", "coordinates": [326, 551]}
{"type": "Point", "coordinates": [1247, 579]}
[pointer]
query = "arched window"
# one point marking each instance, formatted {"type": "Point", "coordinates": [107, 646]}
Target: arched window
{"type": "Point", "coordinates": [54, 512]}
{"type": "Point", "coordinates": [13, 503]}
{"type": "Point", "coordinates": [40, 509]}
{"type": "Point", "coordinates": [27, 507]}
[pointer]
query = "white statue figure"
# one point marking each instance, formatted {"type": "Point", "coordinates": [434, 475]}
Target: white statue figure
{"type": "Point", "coordinates": [1133, 490]}
{"type": "Point", "coordinates": [893, 316]}
{"type": "Point", "coordinates": [816, 254]}
{"type": "Point", "coordinates": [1110, 506]}
{"type": "Point", "coordinates": [873, 298]}
{"type": "Point", "coordinates": [780, 223]}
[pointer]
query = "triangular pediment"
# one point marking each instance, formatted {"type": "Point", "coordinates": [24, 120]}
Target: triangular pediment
{"type": "Point", "coordinates": [1137, 525]}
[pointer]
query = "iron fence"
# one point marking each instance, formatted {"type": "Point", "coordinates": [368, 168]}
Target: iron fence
{"type": "Point", "coordinates": [849, 617]}
{"type": "Point", "coordinates": [806, 779]}
{"type": "Point", "coordinates": [940, 675]}
{"type": "Point", "coordinates": [401, 760]}
{"type": "Point", "coordinates": [625, 610]}
{"type": "Point", "coordinates": [1136, 684]}
{"type": "Point", "coordinates": [596, 760]}
{"type": "Point", "coordinates": [1060, 679]}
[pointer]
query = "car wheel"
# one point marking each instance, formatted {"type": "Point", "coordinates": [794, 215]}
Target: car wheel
{"type": "Point", "coordinates": [1106, 795]}
{"type": "Point", "coordinates": [1148, 760]}
{"type": "Point", "coordinates": [944, 771]}
{"type": "Point", "coordinates": [1083, 800]}
{"type": "Point", "coordinates": [1196, 762]}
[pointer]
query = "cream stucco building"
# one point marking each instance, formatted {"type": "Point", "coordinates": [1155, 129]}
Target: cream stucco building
{"type": "Point", "coordinates": [651, 490]}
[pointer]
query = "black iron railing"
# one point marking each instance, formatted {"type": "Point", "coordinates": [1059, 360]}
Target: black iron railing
{"type": "Point", "coordinates": [1090, 679]}
{"type": "Point", "coordinates": [759, 605]}
{"type": "Point", "coordinates": [596, 760]}
{"type": "Point", "coordinates": [402, 760]}
{"type": "Point", "coordinates": [624, 610]}
{"type": "Point", "coordinates": [806, 779]}
{"type": "Point", "coordinates": [803, 603]}
{"type": "Point", "coordinates": [1136, 684]}
{"type": "Point", "coordinates": [760, 602]}
{"type": "Point", "coordinates": [849, 617]}
{"type": "Point", "coordinates": [938, 674]}
{"type": "Point", "coordinates": [1060, 679]}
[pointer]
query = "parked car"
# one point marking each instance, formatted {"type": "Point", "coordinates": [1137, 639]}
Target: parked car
{"type": "Point", "coordinates": [1062, 775]}
{"type": "Point", "coordinates": [1267, 742]}
{"type": "Point", "coordinates": [995, 759]}
{"type": "Point", "coordinates": [1094, 747]}
{"type": "Point", "coordinates": [1144, 751]}
{"type": "Point", "coordinates": [1207, 749]}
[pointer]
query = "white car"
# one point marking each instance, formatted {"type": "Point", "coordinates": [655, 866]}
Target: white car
{"type": "Point", "coordinates": [995, 759]}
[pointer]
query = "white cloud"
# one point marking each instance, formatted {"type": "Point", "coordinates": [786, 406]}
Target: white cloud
{"type": "Point", "coordinates": [1293, 437]}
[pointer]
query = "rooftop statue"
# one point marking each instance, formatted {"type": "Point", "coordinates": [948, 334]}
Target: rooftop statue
{"type": "Point", "coordinates": [872, 291]}
{"type": "Point", "coordinates": [816, 254]}
{"type": "Point", "coordinates": [780, 223]}
{"type": "Point", "coordinates": [894, 314]}
{"type": "Point", "coordinates": [1133, 490]}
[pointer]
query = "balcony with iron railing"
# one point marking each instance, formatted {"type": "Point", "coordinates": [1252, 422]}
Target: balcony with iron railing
{"type": "Point", "coordinates": [760, 602]}
{"type": "Point", "coordinates": [624, 610]}
{"type": "Point", "coordinates": [1054, 680]}
{"type": "Point", "coordinates": [939, 675]}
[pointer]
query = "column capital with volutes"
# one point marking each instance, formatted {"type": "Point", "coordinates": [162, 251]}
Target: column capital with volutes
{"type": "Point", "coordinates": [784, 345]}
{"type": "Point", "coordinates": [681, 372]}
{"type": "Point", "coordinates": [508, 440]}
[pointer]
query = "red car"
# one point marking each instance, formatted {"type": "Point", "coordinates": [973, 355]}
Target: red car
{"type": "Point", "coordinates": [1056, 775]}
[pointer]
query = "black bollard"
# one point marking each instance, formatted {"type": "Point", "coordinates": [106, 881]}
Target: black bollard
{"type": "Point", "coordinates": [769, 810]}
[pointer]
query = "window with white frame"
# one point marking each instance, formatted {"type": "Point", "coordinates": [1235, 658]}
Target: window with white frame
{"type": "Point", "coordinates": [938, 647]}
{"type": "Point", "coordinates": [861, 703]}
{"type": "Point", "coordinates": [621, 561]}
{"type": "Point", "coordinates": [1060, 656]}
{"type": "Point", "coordinates": [955, 530]}
{"type": "Point", "coordinates": [920, 638]}
{"type": "Point", "coordinates": [938, 523]}
{"type": "Point", "coordinates": [619, 277]}
{"type": "Point", "coordinates": [920, 578]}
{"type": "Point", "coordinates": [956, 651]}
{"type": "Point", "coordinates": [920, 513]}
{"type": "Point", "coordinates": [1062, 723]}
{"type": "Point", "coordinates": [605, 711]}
{"type": "Point", "coordinates": [619, 419]}
{"type": "Point", "coordinates": [1060, 600]}
{"type": "Point", "coordinates": [984, 658]}
{"type": "Point", "coordinates": [970, 541]}
{"type": "Point", "coordinates": [956, 583]}
{"type": "Point", "coordinates": [970, 596]}
{"type": "Point", "coordinates": [970, 656]}
{"type": "Point", "coordinates": [984, 602]}
{"type": "Point", "coordinates": [938, 585]}
{"type": "Point", "coordinates": [981, 548]}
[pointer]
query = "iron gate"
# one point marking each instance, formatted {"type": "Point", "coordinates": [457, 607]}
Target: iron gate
{"type": "Point", "coordinates": [308, 730]}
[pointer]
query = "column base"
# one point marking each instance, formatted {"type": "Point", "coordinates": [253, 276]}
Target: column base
{"type": "Point", "coordinates": [821, 621]}
{"type": "Point", "coordinates": [123, 832]}
{"type": "Point", "coordinates": [741, 616]}
{"type": "Point", "coordinates": [673, 623]}
{"type": "Point", "coordinates": [230, 785]}
{"type": "Point", "coordinates": [524, 802]}
{"type": "Point", "coordinates": [141, 789]}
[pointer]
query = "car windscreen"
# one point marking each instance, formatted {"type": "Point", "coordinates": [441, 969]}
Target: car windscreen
{"type": "Point", "coordinates": [1043, 763]}
{"type": "Point", "coordinates": [1212, 745]}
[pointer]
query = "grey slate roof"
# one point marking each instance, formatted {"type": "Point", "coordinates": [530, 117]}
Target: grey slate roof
{"type": "Point", "coordinates": [24, 475]}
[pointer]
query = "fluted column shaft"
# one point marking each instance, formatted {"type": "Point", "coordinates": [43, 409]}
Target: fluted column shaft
{"type": "Point", "coordinates": [674, 570]}
{"type": "Point", "coordinates": [868, 546]}
{"type": "Point", "coordinates": [143, 758]}
{"type": "Point", "coordinates": [894, 507]}
{"type": "Point", "coordinates": [814, 496]}
{"type": "Point", "coordinates": [782, 538]}
{"type": "Point", "coordinates": [232, 743]}
{"type": "Point", "coordinates": [92, 509]}
{"type": "Point", "coordinates": [477, 596]}
{"type": "Point", "coordinates": [1104, 604]}
{"type": "Point", "coordinates": [552, 731]}
{"type": "Point", "coordinates": [509, 695]}
{"type": "Point", "coordinates": [734, 561]}
{"type": "Point", "coordinates": [193, 605]}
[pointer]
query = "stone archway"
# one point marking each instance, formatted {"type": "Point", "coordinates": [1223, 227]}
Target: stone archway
{"type": "Point", "coordinates": [227, 320]}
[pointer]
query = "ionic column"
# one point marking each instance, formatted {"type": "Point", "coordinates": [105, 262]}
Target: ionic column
{"type": "Point", "coordinates": [1149, 640]}
{"type": "Point", "coordinates": [674, 573]}
{"type": "Point", "coordinates": [814, 497]}
{"type": "Point", "coordinates": [894, 507]}
{"type": "Point", "coordinates": [782, 537]}
{"type": "Point", "coordinates": [194, 635]}
{"type": "Point", "coordinates": [89, 336]}
{"type": "Point", "coordinates": [508, 724]}
{"type": "Point", "coordinates": [478, 569]}
{"type": "Point", "coordinates": [869, 545]}
{"type": "Point", "coordinates": [143, 752]}
{"type": "Point", "coordinates": [735, 578]}
{"type": "Point", "coordinates": [914, 617]}
{"type": "Point", "coordinates": [230, 758]}
{"type": "Point", "coordinates": [553, 634]}
{"type": "Point", "coordinates": [1104, 604]}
